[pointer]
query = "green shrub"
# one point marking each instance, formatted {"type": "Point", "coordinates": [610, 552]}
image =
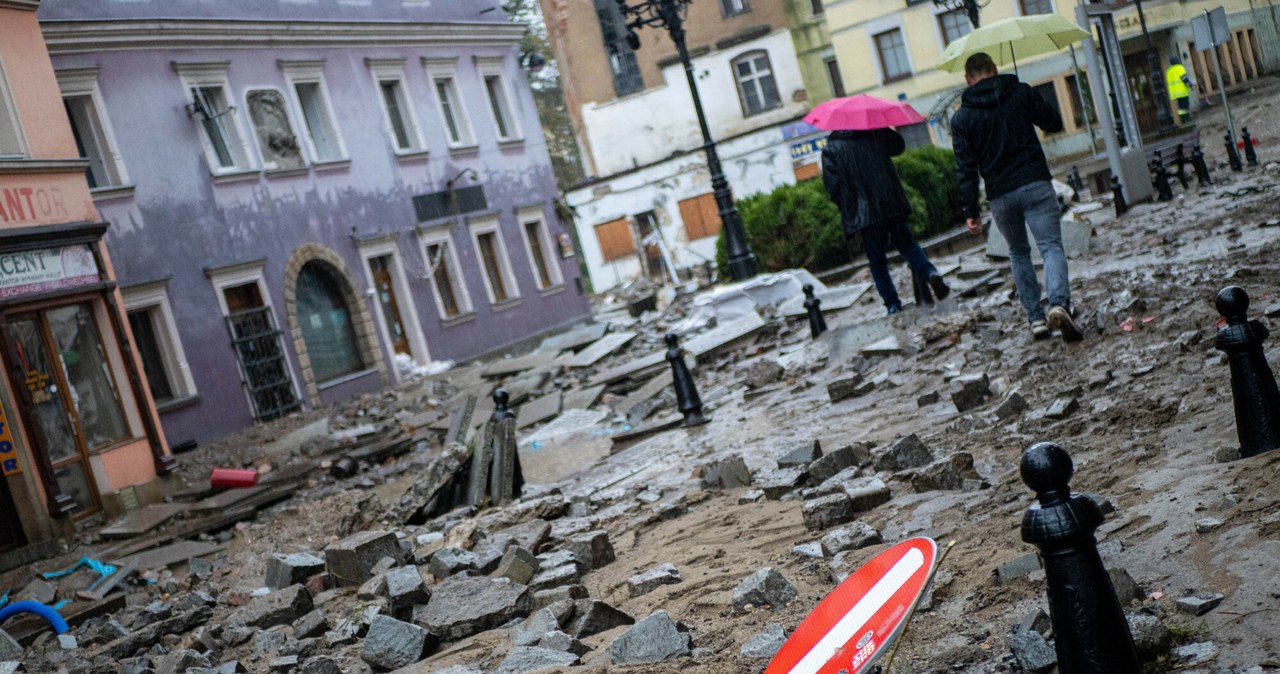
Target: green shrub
{"type": "Point", "coordinates": [919, 222]}
{"type": "Point", "coordinates": [944, 161]}
{"type": "Point", "coordinates": [928, 183]}
{"type": "Point", "coordinates": [793, 226]}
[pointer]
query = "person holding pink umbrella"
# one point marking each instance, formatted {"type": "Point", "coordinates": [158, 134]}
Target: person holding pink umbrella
{"type": "Point", "coordinates": [858, 173]}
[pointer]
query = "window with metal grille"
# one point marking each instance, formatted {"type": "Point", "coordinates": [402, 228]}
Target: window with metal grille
{"type": "Point", "coordinates": [757, 89]}
{"type": "Point", "coordinates": [954, 24]}
{"type": "Point", "coordinates": [622, 59]}
{"type": "Point", "coordinates": [892, 48]}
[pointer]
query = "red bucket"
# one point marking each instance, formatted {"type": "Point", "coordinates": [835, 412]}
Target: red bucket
{"type": "Point", "coordinates": [233, 478]}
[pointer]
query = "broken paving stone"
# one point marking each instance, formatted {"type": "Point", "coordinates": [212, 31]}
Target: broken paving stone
{"type": "Point", "coordinates": [462, 606]}
{"type": "Point", "coordinates": [970, 391]}
{"type": "Point", "coordinates": [728, 473]}
{"type": "Point", "coordinates": [591, 617]}
{"type": "Point", "coordinates": [848, 387]}
{"type": "Point", "coordinates": [826, 511]}
{"type": "Point", "coordinates": [832, 464]}
{"type": "Point", "coordinates": [765, 644]}
{"type": "Point", "coordinates": [1195, 654]}
{"type": "Point", "coordinates": [391, 643]}
{"type": "Point", "coordinates": [776, 484]}
{"type": "Point", "coordinates": [405, 587]}
{"type": "Point", "coordinates": [281, 606]}
{"type": "Point", "coordinates": [1207, 524]}
{"type": "Point", "coordinates": [592, 549]}
{"type": "Point", "coordinates": [648, 581]}
{"type": "Point", "coordinates": [1199, 603]}
{"type": "Point", "coordinates": [1012, 406]}
{"type": "Point", "coordinates": [351, 561]}
{"type": "Point", "coordinates": [269, 641]}
{"type": "Point", "coordinates": [654, 639]}
{"type": "Point", "coordinates": [1062, 408]}
{"type": "Point", "coordinates": [927, 399]}
{"type": "Point", "coordinates": [446, 562]}
{"type": "Point", "coordinates": [550, 577]}
{"type": "Point", "coordinates": [529, 535]}
{"type": "Point", "coordinates": [544, 598]}
{"type": "Point", "coordinates": [948, 474]}
{"type": "Point", "coordinates": [1033, 652]}
{"type": "Point", "coordinates": [1126, 588]}
{"type": "Point", "coordinates": [765, 587]}
{"type": "Point", "coordinates": [321, 666]}
{"type": "Point", "coordinates": [1150, 636]}
{"type": "Point", "coordinates": [518, 565]}
{"type": "Point", "coordinates": [853, 536]}
{"type": "Point", "coordinates": [905, 453]}
{"type": "Point", "coordinates": [1035, 620]}
{"type": "Point", "coordinates": [810, 550]}
{"type": "Point", "coordinates": [284, 663]}
{"type": "Point", "coordinates": [865, 493]}
{"type": "Point", "coordinates": [10, 649]}
{"type": "Point", "coordinates": [803, 455]}
{"type": "Point", "coordinates": [764, 372]}
{"type": "Point", "coordinates": [1017, 568]}
{"type": "Point", "coordinates": [544, 620]}
{"type": "Point", "coordinates": [559, 641]}
{"type": "Point", "coordinates": [372, 588]}
{"type": "Point", "coordinates": [527, 659]}
{"type": "Point", "coordinates": [751, 496]}
{"type": "Point", "coordinates": [179, 661]}
{"type": "Point", "coordinates": [311, 625]}
{"type": "Point", "coordinates": [291, 569]}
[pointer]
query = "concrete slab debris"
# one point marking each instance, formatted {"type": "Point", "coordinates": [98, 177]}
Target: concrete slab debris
{"type": "Point", "coordinates": [575, 338]}
{"type": "Point", "coordinates": [654, 639]}
{"type": "Point", "coordinates": [141, 521]}
{"type": "Point", "coordinates": [533, 361]}
{"type": "Point", "coordinates": [538, 410]}
{"type": "Point", "coordinates": [594, 353]}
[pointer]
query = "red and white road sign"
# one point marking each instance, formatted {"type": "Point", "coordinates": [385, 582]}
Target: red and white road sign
{"type": "Point", "coordinates": [854, 625]}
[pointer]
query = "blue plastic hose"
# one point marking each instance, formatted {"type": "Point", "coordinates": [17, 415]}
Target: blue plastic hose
{"type": "Point", "coordinates": [51, 616]}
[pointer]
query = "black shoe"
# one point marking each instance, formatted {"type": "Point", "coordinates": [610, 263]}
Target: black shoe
{"type": "Point", "coordinates": [895, 308]}
{"type": "Point", "coordinates": [1060, 319]}
{"type": "Point", "coordinates": [940, 287]}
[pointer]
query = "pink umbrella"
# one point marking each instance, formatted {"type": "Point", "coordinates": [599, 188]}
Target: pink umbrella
{"type": "Point", "coordinates": [862, 113]}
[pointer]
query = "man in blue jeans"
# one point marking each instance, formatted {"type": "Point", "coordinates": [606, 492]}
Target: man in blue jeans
{"type": "Point", "coordinates": [858, 174]}
{"type": "Point", "coordinates": [994, 136]}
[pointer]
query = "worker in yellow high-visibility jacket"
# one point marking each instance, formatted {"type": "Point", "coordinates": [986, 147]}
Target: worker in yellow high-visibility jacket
{"type": "Point", "coordinates": [1179, 85]}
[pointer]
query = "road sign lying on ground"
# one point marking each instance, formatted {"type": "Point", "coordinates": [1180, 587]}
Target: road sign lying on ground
{"type": "Point", "coordinates": [854, 626]}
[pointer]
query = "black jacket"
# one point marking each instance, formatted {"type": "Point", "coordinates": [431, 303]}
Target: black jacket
{"type": "Point", "coordinates": [860, 178]}
{"type": "Point", "coordinates": [992, 133]}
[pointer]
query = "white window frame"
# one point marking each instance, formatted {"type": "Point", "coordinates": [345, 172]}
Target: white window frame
{"type": "Point", "coordinates": [537, 214]}
{"type": "Point", "coordinates": [492, 224]}
{"type": "Point", "coordinates": [82, 82]}
{"type": "Point", "coordinates": [198, 75]}
{"type": "Point", "coordinates": [404, 299]}
{"type": "Point", "coordinates": [447, 69]}
{"type": "Point", "coordinates": [492, 67]}
{"type": "Point", "coordinates": [462, 295]}
{"type": "Point", "coordinates": [244, 274]}
{"type": "Point", "coordinates": [154, 299]}
{"type": "Point", "coordinates": [9, 108]}
{"type": "Point", "coordinates": [312, 72]}
{"type": "Point", "coordinates": [884, 25]}
{"type": "Point", "coordinates": [756, 77]}
{"type": "Point", "coordinates": [385, 70]}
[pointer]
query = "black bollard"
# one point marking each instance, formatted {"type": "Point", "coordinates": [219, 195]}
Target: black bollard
{"type": "Point", "coordinates": [1090, 632]}
{"type": "Point", "coordinates": [500, 409]}
{"type": "Point", "coordinates": [1077, 185]}
{"type": "Point", "coordinates": [687, 398]}
{"type": "Point", "coordinates": [1233, 157]}
{"type": "Point", "coordinates": [817, 324]}
{"type": "Point", "coordinates": [1161, 178]}
{"type": "Point", "coordinates": [1249, 154]}
{"type": "Point", "coordinates": [1201, 166]}
{"type": "Point", "coordinates": [1180, 161]}
{"type": "Point", "coordinates": [1253, 385]}
{"type": "Point", "coordinates": [1117, 194]}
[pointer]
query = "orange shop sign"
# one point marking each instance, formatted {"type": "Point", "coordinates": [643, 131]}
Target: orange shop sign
{"type": "Point", "coordinates": [21, 204]}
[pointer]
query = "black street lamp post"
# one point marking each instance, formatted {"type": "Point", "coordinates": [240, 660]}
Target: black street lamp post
{"type": "Point", "coordinates": [670, 14]}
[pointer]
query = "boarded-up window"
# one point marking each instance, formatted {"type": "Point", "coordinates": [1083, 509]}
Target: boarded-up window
{"type": "Point", "coordinates": [615, 239]}
{"type": "Point", "coordinates": [807, 171]}
{"type": "Point", "coordinates": [701, 216]}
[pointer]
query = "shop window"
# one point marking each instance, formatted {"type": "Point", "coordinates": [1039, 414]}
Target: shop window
{"type": "Point", "coordinates": [276, 140]}
{"type": "Point", "coordinates": [494, 262]}
{"type": "Point", "coordinates": [891, 47]}
{"type": "Point", "coordinates": [538, 246]}
{"type": "Point", "coordinates": [326, 325]}
{"type": "Point", "coordinates": [616, 241]}
{"type": "Point", "coordinates": [701, 216]}
{"type": "Point", "coordinates": [156, 340]}
{"type": "Point", "coordinates": [323, 135]}
{"type": "Point", "coordinates": [451, 294]}
{"type": "Point", "coordinates": [11, 143]}
{"type": "Point", "coordinates": [757, 89]}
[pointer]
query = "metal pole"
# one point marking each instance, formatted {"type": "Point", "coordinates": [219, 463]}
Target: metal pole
{"type": "Point", "coordinates": [742, 264]}
{"type": "Point", "coordinates": [1084, 107]}
{"type": "Point", "coordinates": [1096, 78]}
{"type": "Point", "coordinates": [1222, 88]}
{"type": "Point", "coordinates": [1158, 89]}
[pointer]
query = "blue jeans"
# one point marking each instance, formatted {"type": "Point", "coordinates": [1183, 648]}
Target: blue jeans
{"type": "Point", "coordinates": [899, 236]}
{"type": "Point", "coordinates": [1034, 206]}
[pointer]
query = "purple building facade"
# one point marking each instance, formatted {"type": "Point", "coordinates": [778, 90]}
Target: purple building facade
{"type": "Point", "coordinates": [305, 194]}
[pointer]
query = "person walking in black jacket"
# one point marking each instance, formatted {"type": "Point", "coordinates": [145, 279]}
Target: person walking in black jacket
{"type": "Point", "coordinates": [994, 136]}
{"type": "Point", "coordinates": [859, 177]}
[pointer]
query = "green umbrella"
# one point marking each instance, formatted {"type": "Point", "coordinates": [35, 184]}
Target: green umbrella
{"type": "Point", "coordinates": [1008, 39]}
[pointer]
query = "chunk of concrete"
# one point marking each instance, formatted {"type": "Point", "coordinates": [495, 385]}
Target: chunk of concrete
{"type": "Point", "coordinates": [1013, 405]}
{"type": "Point", "coordinates": [391, 643]}
{"type": "Point", "coordinates": [853, 536]}
{"type": "Point", "coordinates": [1150, 636]}
{"type": "Point", "coordinates": [1033, 652]}
{"type": "Point", "coordinates": [905, 453]}
{"type": "Point", "coordinates": [405, 587]}
{"type": "Point", "coordinates": [949, 474]}
{"type": "Point", "coordinates": [1199, 603]}
{"type": "Point", "coordinates": [446, 562]}
{"type": "Point", "coordinates": [521, 659]}
{"type": "Point", "coordinates": [970, 392]}
{"type": "Point", "coordinates": [544, 598]}
{"type": "Point", "coordinates": [291, 569]}
{"type": "Point", "coordinates": [765, 587]}
{"type": "Point", "coordinates": [350, 561]}
{"type": "Point", "coordinates": [832, 464]}
{"type": "Point", "coordinates": [592, 617]}
{"type": "Point", "coordinates": [845, 388]}
{"type": "Point", "coordinates": [277, 608]}
{"type": "Point", "coordinates": [1062, 408]}
{"type": "Point", "coordinates": [865, 493]}
{"type": "Point", "coordinates": [727, 473]}
{"type": "Point", "coordinates": [765, 644]}
{"type": "Point", "coordinates": [313, 624]}
{"type": "Point", "coordinates": [827, 511]}
{"type": "Point", "coordinates": [559, 641]}
{"type": "Point", "coordinates": [1019, 567]}
{"type": "Point", "coordinates": [544, 620]}
{"type": "Point", "coordinates": [654, 639]}
{"type": "Point", "coordinates": [648, 581]}
{"type": "Point", "coordinates": [592, 549]}
{"type": "Point", "coordinates": [802, 455]}
{"type": "Point", "coordinates": [518, 565]}
{"type": "Point", "coordinates": [462, 606]}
